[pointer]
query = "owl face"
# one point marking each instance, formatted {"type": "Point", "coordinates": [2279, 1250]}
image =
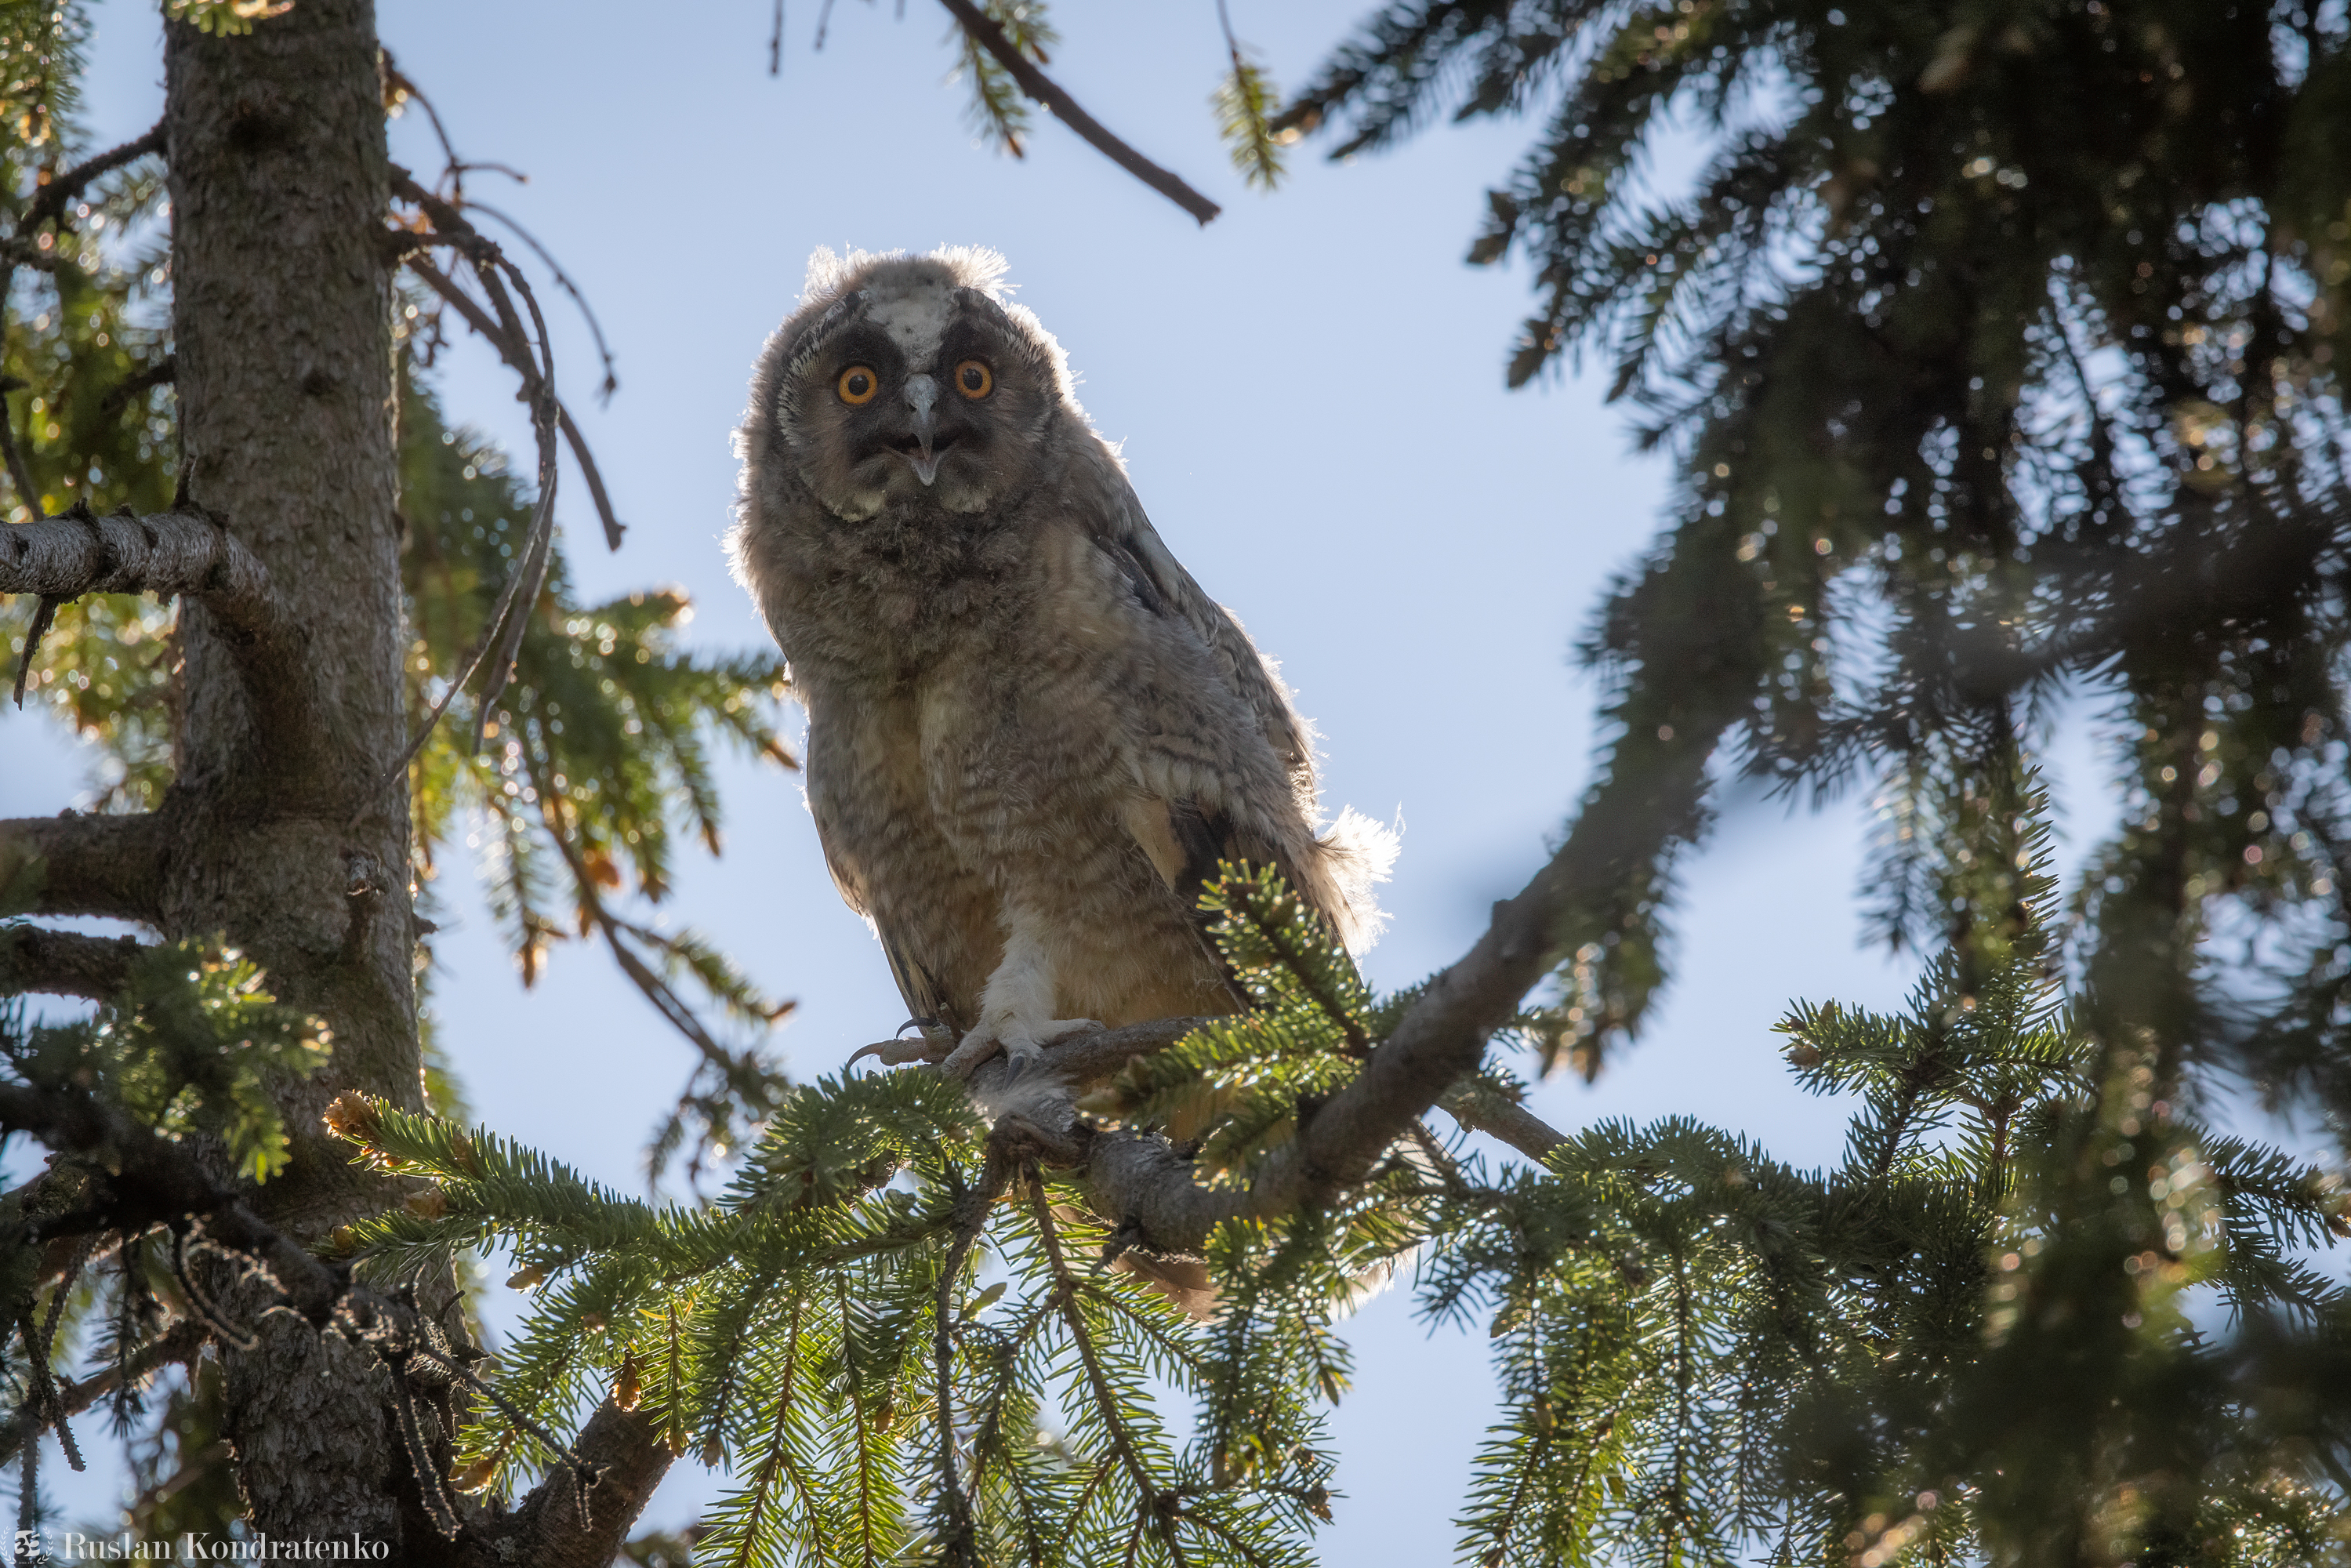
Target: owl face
{"type": "Point", "coordinates": [912, 387]}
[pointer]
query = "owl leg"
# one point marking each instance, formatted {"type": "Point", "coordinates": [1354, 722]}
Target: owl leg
{"type": "Point", "coordinates": [1016, 1008]}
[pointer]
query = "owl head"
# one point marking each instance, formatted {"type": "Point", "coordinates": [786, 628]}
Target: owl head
{"type": "Point", "coordinates": [908, 381]}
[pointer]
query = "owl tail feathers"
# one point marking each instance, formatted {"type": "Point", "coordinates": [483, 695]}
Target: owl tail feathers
{"type": "Point", "coordinates": [1358, 852]}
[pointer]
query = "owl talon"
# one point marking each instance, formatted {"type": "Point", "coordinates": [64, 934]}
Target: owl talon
{"type": "Point", "coordinates": [897, 1052]}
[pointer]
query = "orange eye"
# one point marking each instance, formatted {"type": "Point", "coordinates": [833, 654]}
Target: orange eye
{"type": "Point", "coordinates": [857, 384]}
{"type": "Point", "coordinates": [974, 379]}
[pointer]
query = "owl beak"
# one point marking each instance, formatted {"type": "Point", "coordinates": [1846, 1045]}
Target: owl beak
{"type": "Point", "coordinates": [922, 397]}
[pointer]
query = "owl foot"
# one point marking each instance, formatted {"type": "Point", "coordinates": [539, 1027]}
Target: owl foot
{"type": "Point", "coordinates": [1023, 1042]}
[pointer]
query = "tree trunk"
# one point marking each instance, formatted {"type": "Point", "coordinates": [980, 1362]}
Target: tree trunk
{"type": "Point", "coordinates": [287, 834]}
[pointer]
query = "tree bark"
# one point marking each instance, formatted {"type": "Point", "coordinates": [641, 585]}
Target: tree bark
{"type": "Point", "coordinates": [287, 832]}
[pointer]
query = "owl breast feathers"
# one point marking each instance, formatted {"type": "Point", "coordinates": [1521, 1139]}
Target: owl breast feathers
{"type": "Point", "coordinates": [1031, 737]}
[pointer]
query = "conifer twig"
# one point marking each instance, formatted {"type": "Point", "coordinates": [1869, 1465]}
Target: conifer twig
{"type": "Point", "coordinates": [971, 1217]}
{"type": "Point", "coordinates": [982, 30]}
{"type": "Point", "coordinates": [1065, 1290]}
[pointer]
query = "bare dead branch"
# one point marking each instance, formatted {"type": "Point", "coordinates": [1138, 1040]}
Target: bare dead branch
{"type": "Point", "coordinates": [612, 383]}
{"type": "Point", "coordinates": [984, 32]}
{"type": "Point", "coordinates": [93, 864]}
{"type": "Point", "coordinates": [64, 962]}
{"type": "Point", "coordinates": [518, 357]}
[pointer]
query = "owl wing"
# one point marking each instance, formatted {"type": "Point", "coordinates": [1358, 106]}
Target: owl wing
{"type": "Point", "coordinates": [1211, 795]}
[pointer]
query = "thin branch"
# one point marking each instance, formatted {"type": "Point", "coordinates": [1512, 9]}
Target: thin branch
{"type": "Point", "coordinates": [19, 473]}
{"type": "Point", "coordinates": [1479, 1109]}
{"type": "Point", "coordinates": [64, 962]}
{"type": "Point", "coordinates": [161, 373]}
{"type": "Point", "coordinates": [1065, 1292]}
{"type": "Point", "coordinates": [177, 1346]}
{"type": "Point", "coordinates": [399, 81]}
{"type": "Point", "coordinates": [502, 633]}
{"type": "Point", "coordinates": [971, 1218]}
{"type": "Point", "coordinates": [983, 31]}
{"type": "Point", "coordinates": [563, 279]}
{"type": "Point", "coordinates": [776, 43]}
{"type": "Point", "coordinates": [49, 201]}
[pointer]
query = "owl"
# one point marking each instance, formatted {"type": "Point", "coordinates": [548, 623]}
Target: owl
{"type": "Point", "coordinates": [1032, 736]}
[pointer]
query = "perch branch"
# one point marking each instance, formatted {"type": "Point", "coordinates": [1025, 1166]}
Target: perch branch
{"type": "Point", "coordinates": [64, 962]}
{"type": "Point", "coordinates": [984, 32]}
{"type": "Point", "coordinates": [1435, 1045]}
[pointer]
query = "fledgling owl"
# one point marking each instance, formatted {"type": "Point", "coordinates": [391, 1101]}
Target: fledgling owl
{"type": "Point", "coordinates": [1030, 735]}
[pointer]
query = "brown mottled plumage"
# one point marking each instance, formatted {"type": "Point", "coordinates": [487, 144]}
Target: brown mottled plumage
{"type": "Point", "coordinates": [1030, 735]}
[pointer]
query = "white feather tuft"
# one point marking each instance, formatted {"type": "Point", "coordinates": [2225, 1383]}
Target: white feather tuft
{"type": "Point", "coordinates": [1361, 852]}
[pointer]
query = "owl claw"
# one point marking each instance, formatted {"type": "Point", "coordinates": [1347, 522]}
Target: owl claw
{"type": "Point", "coordinates": [897, 1052]}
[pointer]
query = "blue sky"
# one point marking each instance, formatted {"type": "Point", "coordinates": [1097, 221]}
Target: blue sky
{"type": "Point", "coordinates": [1309, 391]}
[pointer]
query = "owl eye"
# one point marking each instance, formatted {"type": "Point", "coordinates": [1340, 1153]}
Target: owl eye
{"type": "Point", "coordinates": [974, 379]}
{"type": "Point", "coordinates": [857, 384]}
